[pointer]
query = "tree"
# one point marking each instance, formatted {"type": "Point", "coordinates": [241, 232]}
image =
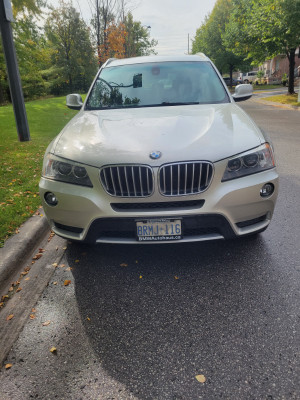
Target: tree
{"type": "Point", "coordinates": [73, 57]}
{"type": "Point", "coordinates": [34, 56]}
{"type": "Point", "coordinates": [209, 40]}
{"type": "Point", "coordinates": [137, 42]}
{"type": "Point", "coordinates": [114, 44]}
{"type": "Point", "coordinates": [264, 29]}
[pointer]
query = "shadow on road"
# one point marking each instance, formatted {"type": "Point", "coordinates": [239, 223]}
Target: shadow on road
{"type": "Point", "coordinates": [160, 315]}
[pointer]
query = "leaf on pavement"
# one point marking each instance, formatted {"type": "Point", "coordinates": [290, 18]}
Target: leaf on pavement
{"type": "Point", "coordinates": [200, 378]}
{"type": "Point", "coordinates": [37, 256]}
{"type": "Point", "coordinates": [9, 317]}
{"type": "Point", "coordinates": [67, 282]}
{"type": "Point", "coordinates": [176, 277]}
{"type": "Point", "coordinates": [32, 316]}
{"type": "Point", "coordinates": [123, 265]}
{"type": "Point", "coordinates": [8, 366]}
{"type": "Point", "coordinates": [53, 350]}
{"type": "Point", "coordinates": [19, 289]}
{"type": "Point", "coordinates": [141, 276]}
{"type": "Point", "coordinates": [46, 323]}
{"type": "Point", "coordinates": [54, 265]}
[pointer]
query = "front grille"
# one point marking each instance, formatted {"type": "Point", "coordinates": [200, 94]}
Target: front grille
{"type": "Point", "coordinates": [185, 178]}
{"type": "Point", "coordinates": [127, 180]}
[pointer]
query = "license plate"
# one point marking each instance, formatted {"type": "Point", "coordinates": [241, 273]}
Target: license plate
{"type": "Point", "coordinates": [158, 230]}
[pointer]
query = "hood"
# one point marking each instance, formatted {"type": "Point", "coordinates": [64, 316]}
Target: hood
{"type": "Point", "coordinates": [180, 133]}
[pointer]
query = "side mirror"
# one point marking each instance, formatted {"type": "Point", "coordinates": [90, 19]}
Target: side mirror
{"type": "Point", "coordinates": [243, 92]}
{"type": "Point", "coordinates": [74, 101]}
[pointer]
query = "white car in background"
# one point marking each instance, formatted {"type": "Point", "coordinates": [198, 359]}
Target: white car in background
{"type": "Point", "coordinates": [159, 152]}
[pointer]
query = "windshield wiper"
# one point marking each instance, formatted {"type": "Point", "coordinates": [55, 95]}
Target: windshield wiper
{"type": "Point", "coordinates": [166, 103]}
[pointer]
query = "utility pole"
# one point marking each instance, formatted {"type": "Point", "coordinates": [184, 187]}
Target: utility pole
{"type": "Point", "coordinates": [6, 17]}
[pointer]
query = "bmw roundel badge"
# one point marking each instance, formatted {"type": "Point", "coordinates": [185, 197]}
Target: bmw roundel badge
{"type": "Point", "coordinates": [155, 155]}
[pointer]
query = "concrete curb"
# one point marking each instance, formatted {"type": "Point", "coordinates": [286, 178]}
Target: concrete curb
{"type": "Point", "coordinates": [21, 245]}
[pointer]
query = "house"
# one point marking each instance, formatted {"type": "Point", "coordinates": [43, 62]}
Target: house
{"type": "Point", "coordinates": [275, 68]}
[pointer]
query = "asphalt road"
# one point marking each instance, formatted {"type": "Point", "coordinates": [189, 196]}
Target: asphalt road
{"type": "Point", "coordinates": [141, 322]}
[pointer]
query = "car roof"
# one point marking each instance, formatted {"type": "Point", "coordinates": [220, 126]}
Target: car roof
{"type": "Point", "coordinates": [153, 59]}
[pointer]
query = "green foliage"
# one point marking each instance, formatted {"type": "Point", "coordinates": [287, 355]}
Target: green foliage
{"type": "Point", "coordinates": [209, 39]}
{"type": "Point", "coordinates": [262, 29]}
{"type": "Point", "coordinates": [73, 54]}
{"type": "Point", "coordinates": [21, 162]}
{"type": "Point", "coordinates": [137, 42]}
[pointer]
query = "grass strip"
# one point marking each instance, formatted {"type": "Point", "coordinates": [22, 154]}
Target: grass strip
{"type": "Point", "coordinates": [290, 99]}
{"type": "Point", "coordinates": [21, 162]}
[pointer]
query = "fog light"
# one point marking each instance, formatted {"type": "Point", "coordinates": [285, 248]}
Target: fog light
{"type": "Point", "coordinates": [267, 190]}
{"type": "Point", "coordinates": [50, 199]}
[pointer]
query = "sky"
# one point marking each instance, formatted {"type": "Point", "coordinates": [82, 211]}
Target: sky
{"type": "Point", "coordinates": [171, 21]}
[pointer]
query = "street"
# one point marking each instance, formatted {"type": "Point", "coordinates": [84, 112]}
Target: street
{"type": "Point", "coordinates": [208, 320]}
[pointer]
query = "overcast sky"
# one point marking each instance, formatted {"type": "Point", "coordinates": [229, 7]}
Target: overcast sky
{"type": "Point", "coordinates": [171, 21]}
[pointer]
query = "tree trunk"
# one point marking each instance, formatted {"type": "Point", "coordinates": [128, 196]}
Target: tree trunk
{"type": "Point", "coordinates": [291, 89]}
{"type": "Point", "coordinates": [230, 73]}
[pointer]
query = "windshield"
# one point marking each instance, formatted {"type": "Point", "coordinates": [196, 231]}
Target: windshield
{"type": "Point", "coordinates": [156, 84]}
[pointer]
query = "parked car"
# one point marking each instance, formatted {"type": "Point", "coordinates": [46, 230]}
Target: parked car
{"type": "Point", "coordinates": [235, 82]}
{"type": "Point", "coordinates": [159, 152]}
{"type": "Point", "coordinates": [248, 77]}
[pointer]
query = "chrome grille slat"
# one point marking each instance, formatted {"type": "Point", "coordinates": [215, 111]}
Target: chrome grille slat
{"type": "Point", "coordinates": [127, 180]}
{"type": "Point", "coordinates": [185, 178]}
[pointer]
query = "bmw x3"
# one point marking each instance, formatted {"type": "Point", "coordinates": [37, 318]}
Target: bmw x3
{"type": "Point", "coordinates": [159, 152]}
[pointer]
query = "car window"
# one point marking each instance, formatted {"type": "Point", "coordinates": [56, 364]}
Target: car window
{"type": "Point", "coordinates": [156, 84]}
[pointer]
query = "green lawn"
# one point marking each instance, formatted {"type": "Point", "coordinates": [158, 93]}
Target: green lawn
{"type": "Point", "coordinates": [21, 163]}
{"type": "Point", "coordinates": [291, 99]}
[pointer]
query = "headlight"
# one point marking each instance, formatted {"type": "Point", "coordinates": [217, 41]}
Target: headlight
{"type": "Point", "coordinates": [66, 172]}
{"type": "Point", "coordinates": [250, 163]}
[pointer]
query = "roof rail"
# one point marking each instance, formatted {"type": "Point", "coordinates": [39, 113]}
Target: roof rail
{"type": "Point", "coordinates": [110, 60]}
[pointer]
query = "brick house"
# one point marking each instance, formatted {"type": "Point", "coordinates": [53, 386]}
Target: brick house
{"type": "Point", "coordinates": [279, 65]}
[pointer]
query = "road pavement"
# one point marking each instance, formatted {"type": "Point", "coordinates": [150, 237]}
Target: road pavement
{"type": "Point", "coordinates": [192, 321]}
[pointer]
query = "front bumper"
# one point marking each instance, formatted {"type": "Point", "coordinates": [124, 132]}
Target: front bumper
{"type": "Point", "coordinates": [225, 210]}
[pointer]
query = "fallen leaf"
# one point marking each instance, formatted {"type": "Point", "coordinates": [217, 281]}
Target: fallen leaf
{"type": "Point", "coordinates": [33, 310]}
{"type": "Point", "coordinates": [53, 350]}
{"type": "Point", "coordinates": [46, 323]}
{"type": "Point", "coordinates": [123, 265]}
{"type": "Point", "coordinates": [37, 256]}
{"type": "Point", "coordinates": [67, 282]}
{"type": "Point", "coordinates": [54, 283]}
{"type": "Point", "coordinates": [88, 318]}
{"type": "Point", "coordinates": [141, 276]}
{"type": "Point", "coordinates": [62, 265]}
{"type": "Point", "coordinates": [200, 378]}
{"type": "Point", "coordinates": [9, 317]}
{"type": "Point", "coordinates": [11, 289]}
{"type": "Point", "coordinates": [19, 289]}
{"type": "Point", "coordinates": [77, 261]}
{"type": "Point", "coordinates": [54, 265]}
{"type": "Point", "coordinates": [69, 269]}
{"type": "Point", "coordinates": [27, 279]}
{"type": "Point", "coordinates": [176, 277]}
{"type": "Point", "coordinates": [8, 366]}
{"type": "Point", "coordinates": [31, 316]}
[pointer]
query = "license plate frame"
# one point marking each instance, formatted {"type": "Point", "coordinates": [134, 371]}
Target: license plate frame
{"type": "Point", "coordinates": [158, 229]}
